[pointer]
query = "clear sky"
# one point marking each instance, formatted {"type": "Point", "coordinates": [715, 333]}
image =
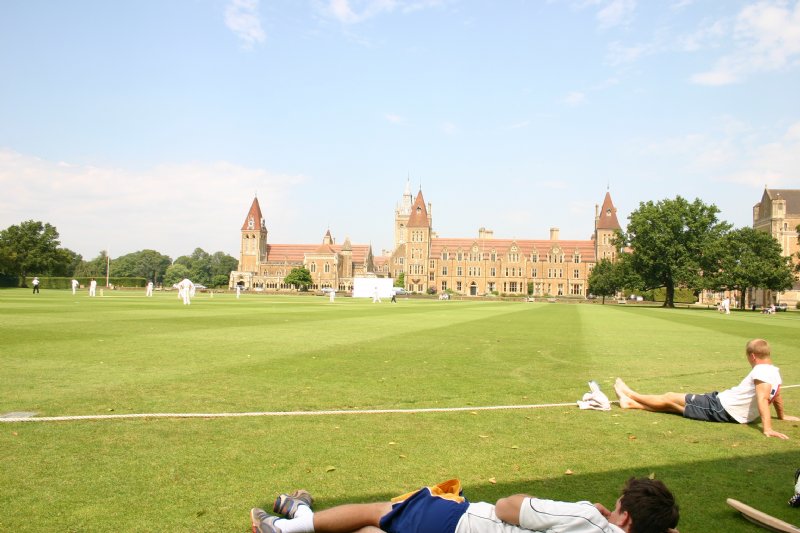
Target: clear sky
{"type": "Point", "coordinates": [152, 124]}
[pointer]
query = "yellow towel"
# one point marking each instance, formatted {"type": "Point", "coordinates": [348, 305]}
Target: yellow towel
{"type": "Point", "coordinates": [449, 490]}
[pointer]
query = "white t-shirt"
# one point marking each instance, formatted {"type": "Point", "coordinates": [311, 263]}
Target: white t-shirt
{"type": "Point", "coordinates": [740, 401]}
{"type": "Point", "coordinates": [537, 515]}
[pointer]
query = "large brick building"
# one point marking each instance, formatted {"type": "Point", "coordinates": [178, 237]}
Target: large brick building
{"type": "Point", "coordinates": [429, 263]}
{"type": "Point", "coordinates": [263, 266]}
{"type": "Point", "coordinates": [778, 213]}
{"type": "Point", "coordinates": [485, 264]}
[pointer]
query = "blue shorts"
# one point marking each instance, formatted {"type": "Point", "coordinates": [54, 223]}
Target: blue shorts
{"type": "Point", "coordinates": [423, 512]}
{"type": "Point", "coordinates": [706, 407]}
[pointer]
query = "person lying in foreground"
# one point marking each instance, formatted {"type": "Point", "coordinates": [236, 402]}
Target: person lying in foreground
{"type": "Point", "coordinates": [744, 403]}
{"type": "Point", "coordinates": [645, 506]}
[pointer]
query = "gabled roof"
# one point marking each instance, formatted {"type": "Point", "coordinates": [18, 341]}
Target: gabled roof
{"type": "Point", "coordinates": [791, 196]}
{"type": "Point", "coordinates": [296, 253]}
{"type": "Point", "coordinates": [255, 215]}
{"type": "Point", "coordinates": [419, 213]}
{"type": "Point", "coordinates": [524, 247]}
{"type": "Point", "coordinates": [608, 215]}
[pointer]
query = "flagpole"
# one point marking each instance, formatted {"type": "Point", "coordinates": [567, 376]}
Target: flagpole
{"type": "Point", "coordinates": [108, 266]}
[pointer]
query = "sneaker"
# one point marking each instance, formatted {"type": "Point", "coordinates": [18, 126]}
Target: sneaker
{"type": "Point", "coordinates": [287, 504]}
{"type": "Point", "coordinates": [262, 522]}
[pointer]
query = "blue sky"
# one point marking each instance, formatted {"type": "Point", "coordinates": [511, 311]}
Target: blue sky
{"type": "Point", "coordinates": [149, 124]}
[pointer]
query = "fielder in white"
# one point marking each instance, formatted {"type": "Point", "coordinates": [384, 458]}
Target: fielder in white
{"type": "Point", "coordinates": [74, 286]}
{"type": "Point", "coordinates": [149, 290]}
{"type": "Point", "coordinates": [93, 288]}
{"type": "Point", "coordinates": [186, 291]}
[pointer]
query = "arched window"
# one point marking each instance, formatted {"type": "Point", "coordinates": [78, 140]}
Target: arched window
{"type": "Point", "coordinates": [313, 267]}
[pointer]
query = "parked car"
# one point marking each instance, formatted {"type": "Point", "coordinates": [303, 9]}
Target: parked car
{"type": "Point", "coordinates": [781, 306]}
{"type": "Point", "coordinates": [399, 290]}
{"type": "Point", "coordinates": [200, 287]}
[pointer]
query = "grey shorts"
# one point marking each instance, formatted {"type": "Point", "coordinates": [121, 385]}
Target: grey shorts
{"type": "Point", "coordinates": [706, 407]}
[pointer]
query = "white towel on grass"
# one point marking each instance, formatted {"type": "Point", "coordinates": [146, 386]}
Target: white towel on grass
{"type": "Point", "coordinates": [595, 399]}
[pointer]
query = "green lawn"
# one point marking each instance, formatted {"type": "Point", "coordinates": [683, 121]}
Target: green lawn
{"type": "Point", "coordinates": [124, 353]}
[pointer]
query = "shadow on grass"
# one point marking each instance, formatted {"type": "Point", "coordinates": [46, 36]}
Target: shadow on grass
{"type": "Point", "coordinates": [765, 482]}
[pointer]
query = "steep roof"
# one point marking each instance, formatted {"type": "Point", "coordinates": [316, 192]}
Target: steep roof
{"type": "Point", "coordinates": [255, 215]}
{"type": "Point", "coordinates": [608, 215]}
{"type": "Point", "coordinates": [791, 196]}
{"type": "Point", "coordinates": [295, 253]}
{"type": "Point", "coordinates": [524, 246]}
{"type": "Point", "coordinates": [419, 213]}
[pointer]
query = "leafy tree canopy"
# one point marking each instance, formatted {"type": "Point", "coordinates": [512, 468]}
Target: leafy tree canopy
{"type": "Point", "coordinates": [673, 243]}
{"type": "Point", "coordinates": [94, 268]}
{"type": "Point", "coordinates": [148, 264]}
{"type": "Point", "coordinates": [175, 273]}
{"type": "Point", "coordinates": [32, 247]}
{"type": "Point", "coordinates": [604, 279]}
{"type": "Point", "coordinates": [751, 259]}
{"type": "Point", "coordinates": [299, 277]}
{"type": "Point", "coordinates": [207, 269]}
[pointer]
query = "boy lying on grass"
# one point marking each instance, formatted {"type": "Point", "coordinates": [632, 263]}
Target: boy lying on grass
{"type": "Point", "coordinates": [744, 403]}
{"type": "Point", "coordinates": [645, 506]}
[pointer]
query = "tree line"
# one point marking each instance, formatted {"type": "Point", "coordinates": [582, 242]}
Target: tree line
{"type": "Point", "coordinates": [33, 248]}
{"type": "Point", "coordinates": [675, 243]}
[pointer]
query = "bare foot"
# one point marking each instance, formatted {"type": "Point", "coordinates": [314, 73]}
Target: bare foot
{"type": "Point", "coordinates": [622, 387]}
{"type": "Point", "coordinates": [620, 390]}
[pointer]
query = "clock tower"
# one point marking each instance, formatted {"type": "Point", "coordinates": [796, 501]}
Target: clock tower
{"type": "Point", "coordinates": [253, 249]}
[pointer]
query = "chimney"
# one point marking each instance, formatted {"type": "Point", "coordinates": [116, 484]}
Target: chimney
{"type": "Point", "coordinates": [553, 234]}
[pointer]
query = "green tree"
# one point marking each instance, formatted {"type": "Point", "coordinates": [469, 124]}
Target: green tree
{"type": "Point", "coordinates": [751, 259]}
{"type": "Point", "coordinates": [68, 263]}
{"type": "Point", "coordinates": [30, 247]}
{"type": "Point", "coordinates": [223, 264]}
{"type": "Point", "coordinates": [299, 277]}
{"type": "Point", "coordinates": [95, 268]}
{"type": "Point", "coordinates": [673, 243]}
{"type": "Point", "coordinates": [148, 264]}
{"type": "Point", "coordinates": [605, 280]}
{"type": "Point", "coordinates": [400, 280]}
{"type": "Point", "coordinates": [175, 273]}
{"type": "Point", "coordinates": [204, 268]}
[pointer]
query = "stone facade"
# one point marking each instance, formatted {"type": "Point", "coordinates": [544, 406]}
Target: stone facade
{"type": "Point", "coordinates": [263, 266]}
{"type": "Point", "coordinates": [429, 263]}
{"type": "Point", "coordinates": [488, 265]}
{"type": "Point", "coordinates": [778, 213]}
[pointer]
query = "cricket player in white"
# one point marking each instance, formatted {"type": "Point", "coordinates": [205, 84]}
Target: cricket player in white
{"type": "Point", "coordinates": [186, 288]}
{"type": "Point", "coordinates": [93, 288]}
{"type": "Point", "coordinates": [74, 286]}
{"type": "Point", "coordinates": [149, 290]}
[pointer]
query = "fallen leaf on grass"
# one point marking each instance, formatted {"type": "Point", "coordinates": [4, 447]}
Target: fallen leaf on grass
{"type": "Point", "coordinates": [568, 472]}
{"type": "Point", "coordinates": [652, 475]}
{"type": "Point", "coordinates": [392, 443]}
{"type": "Point", "coordinates": [631, 437]}
{"type": "Point", "coordinates": [330, 468]}
{"type": "Point", "coordinates": [484, 436]}
{"type": "Point", "coordinates": [402, 456]}
{"type": "Point", "coordinates": [493, 481]}
{"type": "Point", "coordinates": [514, 447]}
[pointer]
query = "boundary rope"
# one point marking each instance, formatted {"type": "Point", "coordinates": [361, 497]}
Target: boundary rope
{"type": "Point", "coordinates": [297, 413]}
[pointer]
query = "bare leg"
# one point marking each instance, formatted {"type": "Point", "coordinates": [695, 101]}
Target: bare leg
{"type": "Point", "coordinates": [670, 402]}
{"type": "Point", "coordinates": [350, 517]}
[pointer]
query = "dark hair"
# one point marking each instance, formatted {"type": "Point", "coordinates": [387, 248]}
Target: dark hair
{"type": "Point", "coordinates": [650, 504]}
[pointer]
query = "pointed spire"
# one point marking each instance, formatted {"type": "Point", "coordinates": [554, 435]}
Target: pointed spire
{"type": "Point", "coordinates": [608, 215]}
{"type": "Point", "coordinates": [254, 219]}
{"type": "Point", "coordinates": [419, 213]}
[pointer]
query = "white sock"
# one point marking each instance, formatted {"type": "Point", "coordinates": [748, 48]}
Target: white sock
{"type": "Point", "coordinates": [302, 523]}
{"type": "Point", "coordinates": [302, 510]}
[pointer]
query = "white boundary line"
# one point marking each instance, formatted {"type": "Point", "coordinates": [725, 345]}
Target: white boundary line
{"type": "Point", "coordinates": [298, 413]}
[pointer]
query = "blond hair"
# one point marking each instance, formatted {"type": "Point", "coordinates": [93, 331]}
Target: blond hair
{"type": "Point", "coordinates": [759, 348]}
